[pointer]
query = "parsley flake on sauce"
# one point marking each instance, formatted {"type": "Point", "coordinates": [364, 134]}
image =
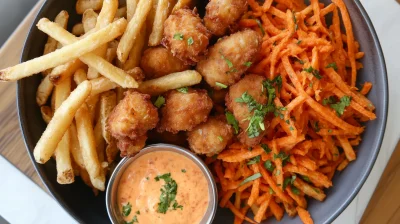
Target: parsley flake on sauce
{"type": "Point", "coordinates": [178, 36]}
{"type": "Point", "coordinates": [339, 107]}
{"type": "Point", "coordinates": [168, 193]}
{"type": "Point", "coordinates": [126, 209]}
{"type": "Point", "coordinates": [183, 171]}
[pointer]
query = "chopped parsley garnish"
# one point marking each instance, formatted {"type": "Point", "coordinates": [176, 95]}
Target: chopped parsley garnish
{"type": "Point", "coordinates": [316, 190]}
{"type": "Point", "coordinates": [183, 90]}
{"type": "Point", "coordinates": [316, 126]}
{"type": "Point", "coordinates": [175, 206]}
{"type": "Point", "coordinates": [311, 84]}
{"type": "Point", "coordinates": [278, 172]}
{"type": "Point", "coordinates": [330, 131]}
{"type": "Point", "coordinates": [248, 63]}
{"type": "Point", "coordinates": [183, 171]}
{"type": "Point", "coordinates": [220, 138]}
{"type": "Point", "coordinates": [251, 178]}
{"type": "Point", "coordinates": [254, 160]}
{"type": "Point", "coordinates": [134, 220]}
{"type": "Point", "coordinates": [278, 113]}
{"type": "Point", "coordinates": [269, 165]}
{"type": "Point", "coordinates": [250, 149]}
{"type": "Point", "coordinates": [328, 100]}
{"type": "Point", "coordinates": [287, 122]}
{"type": "Point", "coordinates": [265, 147]}
{"type": "Point", "coordinates": [178, 36]}
{"type": "Point", "coordinates": [296, 26]}
{"type": "Point", "coordinates": [228, 62]}
{"type": "Point", "coordinates": [295, 190]}
{"type": "Point", "coordinates": [159, 102]}
{"type": "Point", "coordinates": [190, 41]}
{"type": "Point", "coordinates": [332, 65]}
{"type": "Point", "coordinates": [168, 193]}
{"type": "Point", "coordinates": [291, 128]}
{"type": "Point", "coordinates": [313, 71]}
{"type": "Point", "coordinates": [126, 209]}
{"type": "Point", "coordinates": [281, 155]}
{"type": "Point", "coordinates": [299, 60]}
{"type": "Point", "coordinates": [298, 42]}
{"type": "Point", "coordinates": [223, 86]}
{"type": "Point", "coordinates": [138, 212]}
{"type": "Point", "coordinates": [260, 26]}
{"type": "Point", "coordinates": [340, 106]}
{"type": "Point", "coordinates": [288, 181]}
{"type": "Point", "coordinates": [274, 44]}
{"type": "Point", "coordinates": [305, 178]}
{"type": "Point", "coordinates": [232, 121]}
{"type": "Point", "coordinates": [271, 191]}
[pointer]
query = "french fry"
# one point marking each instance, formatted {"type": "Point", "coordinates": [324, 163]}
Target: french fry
{"type": "Point", "coordinates": [172, 81]}
{"type": "Point", "coordinates": [108, 101]}
{"type": "Point", "coordinates": [76, 151]}
{"type": "Point", "coordinates": [80, 76]}
{"type": "Point", "coordinates": [131, 6]}
{"type": "Point", "coordinates": [89, 19]}
{"type": "Point", "coordinates": [111, 54]}
{"type": "Point", "coordinates": [64, 54]}
{"type": "Point", "coordinates": [162, 12]}
{"type": "Point", "coordinates": [133, 29]}
{"type": "Point", "coordinates": [304, 215]}
{"type": "Point", "coordinates": [78, 29]}
{"type": "Point", "coordinates": [44, 91]}
{"type": "Point", "coordinates": [60, 123]}
{"type": "Point", "coordinates": [182, 4]}
{"type": "Point", "coordinates": [47, 113]}
{"type": "Point", "coordinates": [101, 85]}
{"type": "Point", "coordinates": [99, 140]}
{"type": "Point", "coordinates": [105, 17]}
{"type": "Point", "coordinates": [51, 45]}
{"type": "Point", "coordinates": [136, 53]}
{"type": "Point", "coordinates": [92, 106]}
{"type": "Point", "coordinates": [83, 5]}
{"type": "Point", "coordinates": [65, 71]}
{"type": "Point", "coordinates": [88, 146]}
{"type": "Point", "coordinates": [101, 65]}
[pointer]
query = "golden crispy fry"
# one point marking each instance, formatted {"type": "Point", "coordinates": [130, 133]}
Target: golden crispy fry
{"type": "Point", "coordinates": [88, 146]}
{"type": "Point", "coordinates": [101, 85]}
{"type": "Point", "coordinates": [76, 151]}
{"type": "Point", "coordinates": [80, 76]}
{"type": "Point", "coordinates": [83, 5]}
{"type": "Point", "coordinates": [104, 67]}
{"type": "Point", "coordinates": [44, 91]}
{"type": "Point", "coordinates": [65, 71]}
{"type": "Point", "coordinates": [131, 6]}
{"type": "Point", "coordinates": [64, 54]}
{"type": "Point", "coordinates": [108, 101]}
{"type": "Point", "coordinates": [47, 113]}
{"type": "Point", "coordinates": [176, 80]}
{"type": "Point", "coordinates": [89, 19]}
{"type": "Point", "coordinates": [51, 45]}
{"type": "Point", "coordinates": [162, 12]}
{"type": "Point", "coordinates": [60, 123]}
{"type": "Point", "coordinates": [99, 140]}
{"type": "Point", "coordinates": [92, 106]}
{"type": "Point", "coordinates": [182, 4]}
{"type": "Point", "coordinates": [78, 29]}
{"type": "Point", "coordinates": [132, 32]}
{"type": "Point", "coordinates": [136, 53]}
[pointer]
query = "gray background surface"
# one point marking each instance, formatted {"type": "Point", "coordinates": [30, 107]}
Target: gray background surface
{"type": "Point", "coordinates": [12, 12]}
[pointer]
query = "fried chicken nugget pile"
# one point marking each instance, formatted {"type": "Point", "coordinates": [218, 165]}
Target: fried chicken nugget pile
{"type": "Point", "coordinates": [230, 58]}
{"type": "Point", "coordinates": [186, 36]}
{"type": "Point", "coordinates": [130, 120]}
{"type": "Point", "coordinates": [184, 111]}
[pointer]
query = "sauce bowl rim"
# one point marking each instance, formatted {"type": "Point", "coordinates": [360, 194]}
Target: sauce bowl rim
{"type": "Point", "coordinates": [112, 186]}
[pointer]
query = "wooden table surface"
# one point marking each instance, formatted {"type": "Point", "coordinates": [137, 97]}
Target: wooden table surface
{"type": "Point", "coordinates": [384, 206]}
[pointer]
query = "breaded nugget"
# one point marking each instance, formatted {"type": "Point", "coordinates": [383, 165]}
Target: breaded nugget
{"type": "Point", "coordinates": [159, 61]}
{"type": "Point", "coordinates": [230, 58]}
{"type": "Point", "coordinates": [211, 137]}
{"type": "Point", "coordinates": [251, 85]}
{"type": "Point", "coordinates": [185, 36]}
{"type": "Point", "coordinates": [183, 111]}
{"type": "Point", "coordinates": [130, 147]}
{"type": "Point", "coordinates": [133, 116]}
{"type": "Point", "coordinates": [221, 14]}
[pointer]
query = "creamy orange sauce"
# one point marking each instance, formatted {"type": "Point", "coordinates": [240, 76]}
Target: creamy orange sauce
{"type": "Point", "coordinates": [139, 187]}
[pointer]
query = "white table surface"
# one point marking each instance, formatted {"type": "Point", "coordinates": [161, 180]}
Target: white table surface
{"type": "Point", "coordinates": [27, 203]}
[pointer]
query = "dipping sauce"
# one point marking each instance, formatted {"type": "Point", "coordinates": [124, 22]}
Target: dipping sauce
{"type": "Point", "coordinates": [163, 174]}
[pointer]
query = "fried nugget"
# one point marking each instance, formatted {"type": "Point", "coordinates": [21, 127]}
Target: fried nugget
{"type": "Point", "coordinates": [230, 58]}
{"type": "Point", "coordinates": [211, 137]}
{"type": "Point", "coordinates": [221, 14]}
{"type": "Point", "coordinates": [183, 111]}
{"type": "Point", "coordinates": [159, 61]}
{"type": "Point", "coordinates": [185, 36]}
{"type": "Point", "coordinates": [250, 85]}
{"type": "Point", "coordinates": [130, 120]}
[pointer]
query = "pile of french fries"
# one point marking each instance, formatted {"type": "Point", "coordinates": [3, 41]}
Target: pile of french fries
{"type": "Point", "coordinates": [84, 76]}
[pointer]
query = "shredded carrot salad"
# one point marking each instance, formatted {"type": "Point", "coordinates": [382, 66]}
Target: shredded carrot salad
{"type": "Point", "coordinates": [312, 68]}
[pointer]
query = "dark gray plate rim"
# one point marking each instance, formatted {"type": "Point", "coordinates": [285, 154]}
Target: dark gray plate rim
{"type": "Point", "coordinates": [338, 210]}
